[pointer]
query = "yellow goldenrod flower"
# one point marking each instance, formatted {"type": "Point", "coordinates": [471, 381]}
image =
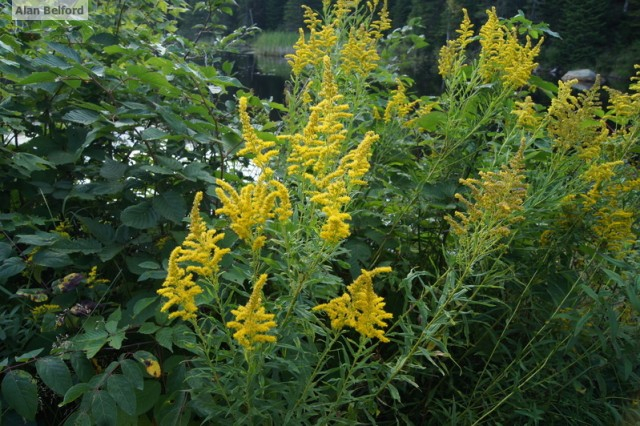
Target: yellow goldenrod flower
{"type": "Point", "coordinates": [200, 248]}
{"type": "Point", "coordinates": [497, 197]}
{"type": "Point", "coordinates": [93, 279]}
{"type": "Point", "coordinates": [526, 113]}
{"type": "Point", "coordinates": [359, 53]}
{"type": "Point", "coordinates": [503, 56]}
{"type": "Point", "coordinates": [255, 146]}
{"type": "Point", "coordinates": [180, 290]}
{"type": "Point", "coordinates": [451, 54]}
{"type": "Point", "coordinates": [399, 104]}
{"type": "Point", "coordinates": [202, 256]}
{"type": "Point", "coordinates": [361, 308]}
{"type": "Point", "coordinates": [573, 121]}
{"type": "Point", "coordinates": [615, 229]}
{"type": "Point", "coordinates": [256, 203]}
{"type": "Point", "coordinates": [252, 321]}
{"type": "Point", "coordinates": [322, 38]}
{"type": "Point", "coordinates": [598, 174]}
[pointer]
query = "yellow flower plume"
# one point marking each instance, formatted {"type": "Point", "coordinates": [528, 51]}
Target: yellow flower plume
{"type": "Point", "coordinates": [202, 256]}
{"type": "Point", "coordinates": [361, 308]}
{"type": "Point", "coordinates": [250, 209]}
{"type": "Point", "coordinates": [261, 149]}
{"type": "Point", "coordinates": [503, 55]}
{"type": "Point", "coordinates": [252, 321]}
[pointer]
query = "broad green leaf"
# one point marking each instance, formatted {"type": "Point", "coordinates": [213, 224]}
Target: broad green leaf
{"type": "Point", "coordinates": [20, 392]}
{"type": "Point", "coordinates": [74, 392]}
{"type": "Point", "coordinates": [39, 77]}
{"type": "Point", "coordinates": [91, 342]}
{"type": "Point", "coordinates": [142, 304]}
{"type": "Point", "coordinates": [116, 339]}
{"type": "Point", "coordinates": [29, 355]}
{"type": "Point", "coordinates": [164, 337]}
{"type": "Point", "coordinates": [170, 205]}
{"type": "Point", "coordinates": [82, 366]}
{"type": "Point", "coordinates": [140, 216]}
{"type": "Point", "coordinates": [52, 259]}
{"type": "Point", "coordinates": [432, 120]}
{"type": "Point", "coordinates": [113, 170]}
{"type": "Point", "coordinates": [148, 328]}
{"type": "Point", "coordinates": [54, 373]}
{"type": "Point", "coordinates": [102, 232]}
{"type": "Point", "coordinates": [183, 337]}
{"type": "Point", "coordinates": [131, 370]}
{"type": "Point", "coordinates": [65, 50]}
{"type": "Point", "coordinates": [103, 408]}
{"type": "Point", "coordinates": [122, 392]}
{"type": "Point", "coordinates": [27, 163]}
{"type": "Point", "coordinates": [148, 396]}
{"type": "Point", "coordinates": [153, 133]}
{"type": "Point", "coordinates": [81, 116]}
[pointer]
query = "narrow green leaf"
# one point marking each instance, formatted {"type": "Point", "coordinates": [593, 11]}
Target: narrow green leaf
{"type": "Point", "coordinates": [20, 391]}
{"type": "Point", "coordinates": [54, 373]}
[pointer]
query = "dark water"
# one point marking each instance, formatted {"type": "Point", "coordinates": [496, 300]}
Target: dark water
{"type": "Point", "coordinates": [266, 77]}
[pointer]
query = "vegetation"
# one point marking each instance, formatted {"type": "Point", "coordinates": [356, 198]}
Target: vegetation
{"type": "Point", "coordinates": [170, 255]}
{"type": "Point", "coordinates": [596, 34]}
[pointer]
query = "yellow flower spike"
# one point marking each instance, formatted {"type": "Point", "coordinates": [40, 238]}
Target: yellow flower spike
{"type": "Point", "coordinates": [252, 321]}
{"type": "Point", "coordinates": [250, 210]}
{"type": "Point", "coordinates": [202, 255]}
{"type": "Point", "coordinates": [180, 289]}
{"type": "Point", "coordinates": [361, 308]}
{"type": "Point", "coordinates": [453, 51]}
{"type": "Point", "coordinates": [253, 144]}
{"type": "Point", "coordinates": [497, 197]}
{"type": "Point", "coordinates": [503, 55]}
{"type": "Point", "coordinates": [526, 113]}
{"type": "Point", "coordinates": [615, 229]}
{"type": "Point", "coordinates": [199, 245]}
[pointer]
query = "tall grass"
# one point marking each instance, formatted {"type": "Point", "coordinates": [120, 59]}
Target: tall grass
{"type": "Point", "coordinates": [274, 43]}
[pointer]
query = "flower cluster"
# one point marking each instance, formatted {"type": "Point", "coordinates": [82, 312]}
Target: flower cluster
{"type": "Point", "coordinates": [201, 255]}
{"type": "Point", "coordinates": [497, 198]}
{"type": "Point", "coordinates": [573, 122]}
{"type": "Point", "coordinates": [503, 55]}
{"type": "Point", "coordinates": [361, 308]}
{"type": "Point", "coordinates": [260, 149]}
{"type": "Point", "coordinates": [452, 53]}
{"type": "Point", "coordinates": [526, 113]}
{"type": "Point", "coordinates": [358, 51]}
{"type": "Point", "coordinates": [318, 148]}
{"type": "Point", "coordinates": [250, 209]}
{"type": "Point", "coordinates": [252, 321]}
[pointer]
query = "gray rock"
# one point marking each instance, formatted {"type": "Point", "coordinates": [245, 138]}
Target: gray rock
{"type": "Point", "coordinates": [586, 78]}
